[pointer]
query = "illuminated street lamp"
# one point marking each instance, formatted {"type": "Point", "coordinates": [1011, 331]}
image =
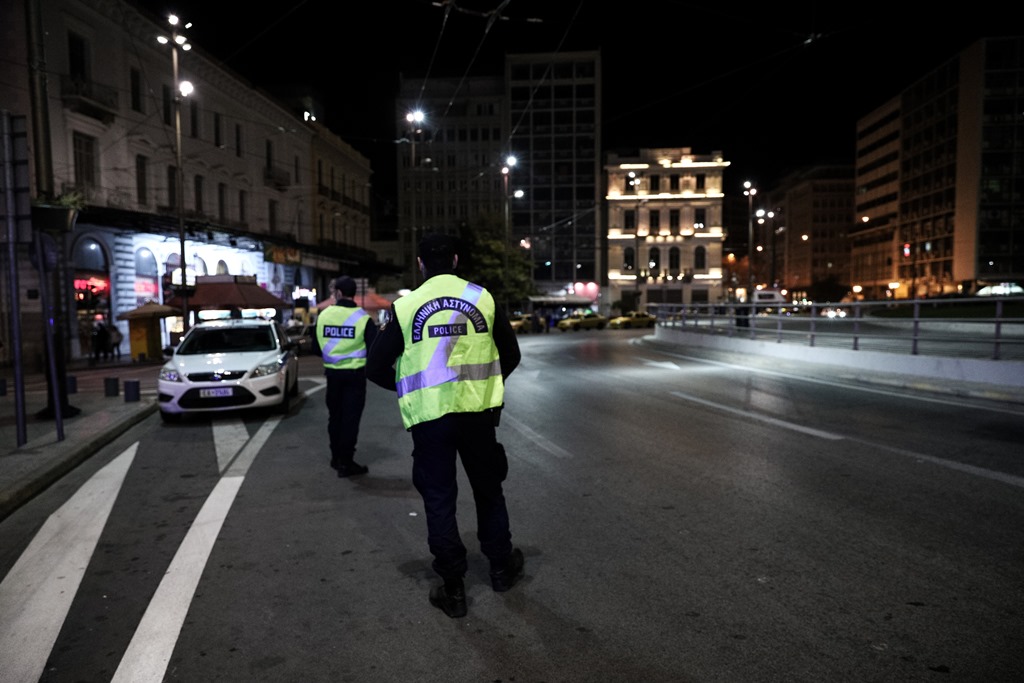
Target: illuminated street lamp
{"type": "Point", "coordinates": [182, 89]}
{"type": "Point", "coordinates": [414, 118]}
{"type": "Point", "coordinates": [634, 182]}
{"type": "Point", "coordinates": [749, 191]}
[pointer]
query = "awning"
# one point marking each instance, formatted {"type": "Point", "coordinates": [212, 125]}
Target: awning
{"type": "Point", "coordinates": [223, 292]}
{"type": "Point", "coordinates": [150, 309]}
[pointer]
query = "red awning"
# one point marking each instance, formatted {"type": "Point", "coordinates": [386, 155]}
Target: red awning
{"type": "Point", "coordinates": [223, 295]}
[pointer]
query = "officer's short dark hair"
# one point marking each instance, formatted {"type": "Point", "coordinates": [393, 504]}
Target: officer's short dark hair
{"type": "Point", "coordinates": [437, 251]}
{"type": "Point", "coordinates": [345, 285]}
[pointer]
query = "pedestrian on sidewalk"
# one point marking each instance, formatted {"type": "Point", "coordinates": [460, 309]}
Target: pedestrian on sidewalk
{"type": "Point", "coordinates": [344, 332]}
{"type": "Point", "coordinates": [447, 352]}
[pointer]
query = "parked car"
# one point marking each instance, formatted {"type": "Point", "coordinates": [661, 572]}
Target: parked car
{"type": "Point", "coordinates": [229, 364]}
{"type": "Point", "coordinates": [632, 319]}
{"type": "Point", "coordinates": [304, 336]}
{"type": "Point", "coordinates": [522, 323]}
{"type": "Point", "coordinates": [583, 321]}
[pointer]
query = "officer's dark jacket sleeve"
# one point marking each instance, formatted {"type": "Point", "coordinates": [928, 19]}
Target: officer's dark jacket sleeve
{"type": "Point", "coordinates": [507, 342]}
{"type": "Point", "coordinates": [382, 354]}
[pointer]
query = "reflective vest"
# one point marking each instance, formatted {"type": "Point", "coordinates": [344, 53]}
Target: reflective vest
{"type": "Point", "coordinates": [340, 331]}
{"type": "Point", "coordinates": [450, 363]}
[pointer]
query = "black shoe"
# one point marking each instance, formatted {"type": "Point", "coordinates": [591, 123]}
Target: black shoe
{"type": "Point", "coordinates": [450, 599]}
{"type": "Point", "coordinates": [352, 469]}
{"type": "Point", "coordinates": [503, 579]}
{"type": "Point", "coordinates": [335, 464]}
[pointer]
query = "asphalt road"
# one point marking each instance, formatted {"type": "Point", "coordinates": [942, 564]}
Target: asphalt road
{"type": "Point", "coordinates": [684, 518]}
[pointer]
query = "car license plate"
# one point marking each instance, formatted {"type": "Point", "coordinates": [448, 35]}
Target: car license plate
{"type": "Point", "coordinates": [220, 392]}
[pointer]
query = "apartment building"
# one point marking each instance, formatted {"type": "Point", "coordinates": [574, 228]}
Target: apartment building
{"type": "Point", "coordinates": [97, 121]}
{"type": "Point", "coordinates": [665, 233]}
{"type": "Point", "coordinates": [947, 153]}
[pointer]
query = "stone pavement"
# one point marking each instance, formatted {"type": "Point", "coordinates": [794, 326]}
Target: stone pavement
{"type": "Point", "coordinates": [111, 397]}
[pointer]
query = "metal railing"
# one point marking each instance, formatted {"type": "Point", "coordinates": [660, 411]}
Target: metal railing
{"type": "Point", "coordinates": [976, 327]}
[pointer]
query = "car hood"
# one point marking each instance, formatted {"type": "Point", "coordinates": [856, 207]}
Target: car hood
{"type": "Point", "coordinates": [212, 362]}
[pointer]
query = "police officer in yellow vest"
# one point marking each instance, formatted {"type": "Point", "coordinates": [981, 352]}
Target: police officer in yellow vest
{"type": "Point", "coordinates": [345, 331]}
{"type": "Point", "coordinates": [447, 352]}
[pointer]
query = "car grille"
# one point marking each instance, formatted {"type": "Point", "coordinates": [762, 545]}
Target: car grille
{"type": "Point", "coordinates": [222, 376]}
{"type": "Point", "coordinates": [240, 396]}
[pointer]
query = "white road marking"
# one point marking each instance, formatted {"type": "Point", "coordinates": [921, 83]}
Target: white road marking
{"type": "Point", "coordinates": [228, 439]}
{"type": "Point", "coordinates": [36, 594]}
{"type": "Point", "coordinates": [150, 651]}
{"type": "Point", "coordinates": [1010, 479]}
{"type": "Point", "coordinates": [746, 414]}
{"type": "Point", "coordinates": [536, 438]}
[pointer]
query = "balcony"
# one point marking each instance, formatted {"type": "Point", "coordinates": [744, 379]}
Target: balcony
{"type": "Point", "coordinates": [89, 99]}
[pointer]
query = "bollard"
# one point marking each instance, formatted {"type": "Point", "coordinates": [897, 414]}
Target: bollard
{"type": "Point", "coordinates": [110, 387]}
{"type": "Point", "coordinates": [131, 390]}
{"type": "Point", "coordinates": [72, 384]}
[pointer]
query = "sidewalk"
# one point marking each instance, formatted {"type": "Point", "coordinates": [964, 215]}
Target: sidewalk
{"type": "Point", "coordinates": [43, 458]}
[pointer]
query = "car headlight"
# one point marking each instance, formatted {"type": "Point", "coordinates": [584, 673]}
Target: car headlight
{"type": "Point", "coordinates": [169, 373]}
{"type": "Point", "coordinates": [267, 369]}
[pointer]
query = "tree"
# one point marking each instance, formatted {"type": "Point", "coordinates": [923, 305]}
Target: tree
{"type": "Point", "coordinates": [483, 259]}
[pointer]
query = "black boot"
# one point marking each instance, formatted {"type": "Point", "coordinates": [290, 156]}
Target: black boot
{"type": "Point", "coordinates": [351, 469]}
{"type": "Point", "coordinates": [508, 575]}
{"type": "Point", "coordinates": [450, 598]}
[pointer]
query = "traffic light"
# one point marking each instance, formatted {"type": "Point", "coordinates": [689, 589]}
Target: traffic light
{"type": "Point", "coordinates": [906, 250]}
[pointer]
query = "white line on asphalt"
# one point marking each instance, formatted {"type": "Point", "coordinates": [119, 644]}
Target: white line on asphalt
{"type": "Point", "coordinates": [746, 414]}
{"type": "Point", "coordinates": [536, 438]}
{"type": "Point", "coordinates": [150, 651]}
{"type": "Point", "coordinates": [36, 594]}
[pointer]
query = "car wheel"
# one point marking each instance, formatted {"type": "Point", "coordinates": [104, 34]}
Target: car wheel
{"type": "Point", "coordinates": [285, 406]}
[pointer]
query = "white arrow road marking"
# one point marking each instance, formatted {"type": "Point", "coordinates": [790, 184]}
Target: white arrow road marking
{"type": "Point", "coordinates": [153, 643]}
{"type": "Point", "coordinates": [228, 439]}
{"type": "Point", "coordinates": [36, 595]}
{"type": "Point", "coordinates": [667, 365]}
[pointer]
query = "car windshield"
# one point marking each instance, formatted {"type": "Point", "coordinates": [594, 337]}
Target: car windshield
{"type": "Point", "coordinates": [228, 340]}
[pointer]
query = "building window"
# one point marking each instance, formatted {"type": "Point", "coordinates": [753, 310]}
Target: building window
{"type": "Point", "coordinates": [654, 219]}
{"type": "Point", "coordinates": [673, 183]}
{"type": "Point", "coordinates": [141, 182]}
{"type": "Point", "coordinates": [222, 202]}
{"type": "Point", "coordinates": [700, 181]}
{"type": "Point", "coordinates": [272, 215]}
{"type": "Point", "coordinates": [629, 221]}
{"type": "Point", "coordinates": [218, 124]}
{"type": "Point", "coordinates": [655, 184]}
{"type": "Point", "coordinates": [654, 262]}
{"type": "Point", "coordinates": [172, 186]}
{"type": "Point", "coordinates": [673, 261]}
{"type": "Point", "coordinates": [136, 90]}
{"type": "Point", "coordinates": [168, 104]}
{"type": "Point", "coordinates": [673, 221]}
{"type": "Point", "coordinates": [79, 67]}
{"type": "Point", "coordinates": [629, 259]}
{"type": "Point", "coordinates": [147, 277]}
{"type": "Point", "coordinates": [87, 167]}
{"type": "Point", "coordinates": [238, 139]}
{"type": "Point", "coordinates": [193, 109]}
{"type": "Point", "coordinates": [197, 185]}
{"type": "Point", "coordinates": [700, 218]}
{"type": "Point", "coordinates": [243, 201]}
{"type": "Point", "coordinates": [700, 258]}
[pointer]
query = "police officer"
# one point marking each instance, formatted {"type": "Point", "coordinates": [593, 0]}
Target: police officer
{"type": "Point", "coordinates": [345, 331]}
{"type": "Point", "coordinates": [447, 352]}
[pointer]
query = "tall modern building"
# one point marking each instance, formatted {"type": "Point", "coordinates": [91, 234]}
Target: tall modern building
{"type": "Point", "coordinates": [948, 154]}
{"type": "Point", "coordinates": [450, 158]}
{"type": "Point", "coordinates": [554, 127]}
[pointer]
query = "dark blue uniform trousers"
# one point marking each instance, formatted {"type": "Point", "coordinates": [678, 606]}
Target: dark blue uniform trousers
{"type": "Point", "coordinates": [345, 397]}
{"type": "Point", "coordinates": [435, 445]}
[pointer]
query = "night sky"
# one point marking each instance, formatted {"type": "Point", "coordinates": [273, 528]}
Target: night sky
{"type": "Point", "coordinates": [774, 88]}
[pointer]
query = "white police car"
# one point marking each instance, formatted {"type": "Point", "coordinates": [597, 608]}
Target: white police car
{"type": "Point", "coordinates": [229, 365]}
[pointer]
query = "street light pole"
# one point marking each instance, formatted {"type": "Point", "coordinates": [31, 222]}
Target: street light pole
{"type": "Point", "coordinates": [510, 161]}
{"type": "Point", "coordinates": [181, 89]}
{"type": "Point", "coordinates": [634, 181]}
{"type": "Point", "coordinates": [415, 118]}
{"type": "Point", "coordinates": [750, 191]}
